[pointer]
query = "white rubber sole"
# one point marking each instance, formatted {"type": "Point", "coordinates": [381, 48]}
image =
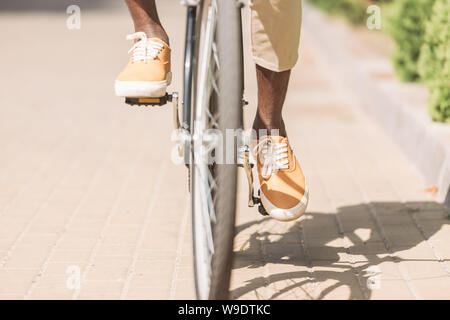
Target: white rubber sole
{"type": "Point", "coordinates": [148, 89]}
{"type": "Point", "coordinates": [284, 215]}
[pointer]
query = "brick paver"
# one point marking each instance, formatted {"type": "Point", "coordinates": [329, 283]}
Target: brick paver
{"type": "Point", "coordinates": [86, 188]}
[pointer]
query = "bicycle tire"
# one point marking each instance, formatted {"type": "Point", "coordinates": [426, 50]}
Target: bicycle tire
{"type": "Point", "coordinates": [227, 108]}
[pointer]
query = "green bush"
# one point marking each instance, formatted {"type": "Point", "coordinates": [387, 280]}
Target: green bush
{"type": "Point", "coordinates": [434, 62]}
{"type": "Point", "coordinates": [354, 11]}
{"type": "Point", "coordinates": [439, 102]}
{"type": "Point", "coordinates": [406, 24]}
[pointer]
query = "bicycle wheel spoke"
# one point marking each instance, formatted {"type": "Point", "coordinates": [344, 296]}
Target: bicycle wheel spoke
{"type": "Point", "coordinates": [215, 55]}
{"type": "Point", "coordinates": [207, 203]}
{"type": "Point", "coordinates": [213, 82]}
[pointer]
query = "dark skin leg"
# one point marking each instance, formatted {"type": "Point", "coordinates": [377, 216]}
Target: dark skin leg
{"type": "Point", "coordinates": [272, 89]}
{"type": "Point", "coordinates": [145, 18]}
{"type": "Point", "coordinates": [272, 86]}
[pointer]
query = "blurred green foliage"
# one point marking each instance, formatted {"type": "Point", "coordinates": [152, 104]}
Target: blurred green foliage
{"type": "Point", "coordinates": [354, 11]}
{"type": "Point", "coordinates": [421, 31]}
{"type": "Point", "coordinates": [434, 61]}
{"type": "Point", "coordinates": [405, 22]}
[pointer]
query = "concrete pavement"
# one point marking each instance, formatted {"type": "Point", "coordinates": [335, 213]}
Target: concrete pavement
{"type": "Point", "coordinates": [88, 192]}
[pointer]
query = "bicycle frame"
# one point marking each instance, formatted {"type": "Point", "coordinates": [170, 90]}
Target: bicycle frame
{"type": "Point", "coordinates": [189, 65]}
{"type": "Point", "coordinates": [194, 13]}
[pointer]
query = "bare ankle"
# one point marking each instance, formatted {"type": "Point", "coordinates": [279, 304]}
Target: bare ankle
{"type": "Point", "coordinates": [268, 127]}
{"type": "Point", "coordinates": [155, 31]}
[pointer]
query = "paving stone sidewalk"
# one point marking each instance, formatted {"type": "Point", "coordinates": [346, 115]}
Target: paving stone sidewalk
{"type": "Point", "coordinates": [87, 188]}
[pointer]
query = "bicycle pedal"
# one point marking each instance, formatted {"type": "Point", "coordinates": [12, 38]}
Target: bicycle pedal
{"type": "Point", "coordinates": [149, 101]}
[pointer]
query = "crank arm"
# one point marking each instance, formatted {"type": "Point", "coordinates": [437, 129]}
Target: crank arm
{"type": "Point", "coordinates": [252, 200]}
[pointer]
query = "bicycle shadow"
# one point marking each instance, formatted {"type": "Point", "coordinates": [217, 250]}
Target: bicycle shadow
{"type": "Point", "coordinates": [317, 269]}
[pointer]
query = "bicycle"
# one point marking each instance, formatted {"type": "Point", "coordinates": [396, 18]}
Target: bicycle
{"type": "Point", "coordinates": [212, 106]}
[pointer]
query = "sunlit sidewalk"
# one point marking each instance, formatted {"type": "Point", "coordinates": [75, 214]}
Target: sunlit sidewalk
{"type": "Point", "coordinates": [371, 231]}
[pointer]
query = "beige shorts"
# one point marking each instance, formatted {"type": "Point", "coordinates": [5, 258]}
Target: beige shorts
{"type": "Point", "coordinates": [275, 27]}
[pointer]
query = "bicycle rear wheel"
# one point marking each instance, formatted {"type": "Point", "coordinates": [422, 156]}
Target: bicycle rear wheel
{"type": "Point", "coordinates": [218, 110]}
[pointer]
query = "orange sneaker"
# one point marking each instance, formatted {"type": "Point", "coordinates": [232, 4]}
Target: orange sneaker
{"type": "Point", "coordinates": [283, 190]}
{"type": "Point", "coordinates": [147, 74]}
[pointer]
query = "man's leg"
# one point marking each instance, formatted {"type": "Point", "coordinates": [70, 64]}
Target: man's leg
{"type": "Point", "coordinates": [145, 18]}
{"type": "Point", "coordinates": [272, 89]}
{"type": "Point", "coordinates": [275, 39]}
{"type": "Point", "coordinates": [275, 28]}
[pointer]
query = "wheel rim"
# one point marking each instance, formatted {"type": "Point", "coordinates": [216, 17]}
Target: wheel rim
{"type": "Point", "coordinates": [203, 181]}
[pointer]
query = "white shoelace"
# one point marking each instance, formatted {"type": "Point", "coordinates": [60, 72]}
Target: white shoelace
{"type": "Point", "coordinates": [144, 49]}
{"type": "Point", "coordinates": [273, 156]}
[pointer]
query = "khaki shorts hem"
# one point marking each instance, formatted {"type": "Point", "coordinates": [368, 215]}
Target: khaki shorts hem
{"type": "Point", "coordinates": [273, 67]}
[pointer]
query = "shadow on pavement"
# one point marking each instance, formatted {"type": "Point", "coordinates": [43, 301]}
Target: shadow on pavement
{"type": "Point", "coordinates": [325, 258]}
{"type": "Point", "coordinates": [55, 5]}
